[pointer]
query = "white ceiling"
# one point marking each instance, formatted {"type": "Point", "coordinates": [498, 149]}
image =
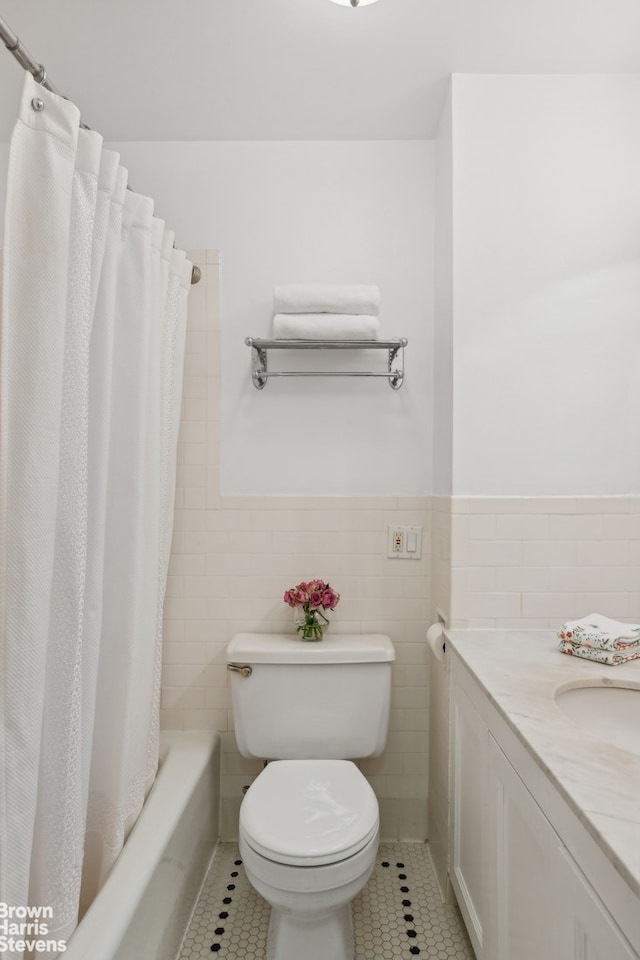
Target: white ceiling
{"type": "Point", "coordinates": [297, 69]}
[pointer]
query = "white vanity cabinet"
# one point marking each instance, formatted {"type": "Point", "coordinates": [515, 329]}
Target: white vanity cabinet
{"type": "Point", "coordinates": [469, 874]}
{"type": "Point", "coordinates": [520, 890]}
{"type": "Point", "coordinates": [588, 931]}
{"type": "Point", "coordinates": [522, 850]}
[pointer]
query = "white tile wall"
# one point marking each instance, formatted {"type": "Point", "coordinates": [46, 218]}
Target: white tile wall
{"type": "Point", "coordinates": [233, 558]}
{"type": "Point", "coordinates": [440, 556]}
{"type": "Point", "coordinates": [537, 561]}
{"type": "Point", "coordinates": [438, 751]}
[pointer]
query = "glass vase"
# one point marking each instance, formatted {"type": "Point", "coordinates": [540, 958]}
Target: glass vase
{"type": "Point", "coordinates": [310, 624]}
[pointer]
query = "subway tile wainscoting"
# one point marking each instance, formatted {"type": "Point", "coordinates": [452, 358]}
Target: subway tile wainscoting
{"type": "Point", "coordinates": [232, 559]}
{"type": "Point", "coordinates": [537, 561]}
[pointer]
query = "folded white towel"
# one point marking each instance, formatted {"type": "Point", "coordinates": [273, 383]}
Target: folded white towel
{"type": "Point", "coordinates": [324, 326]}
{"type": "Point", "coordinates": [358, 299]}
{"type": "Point", "coordinates": [599, 632]}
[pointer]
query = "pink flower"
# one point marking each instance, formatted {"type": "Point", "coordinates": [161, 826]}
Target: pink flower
{"type": "Point", "coordinates": [295, 597]}
{"type": "Point", "coordinates": [315, 600]}
{"type": "Point", "coordinates": [317, 586]}
{"type": "Point", "coordinates": [330, 599]}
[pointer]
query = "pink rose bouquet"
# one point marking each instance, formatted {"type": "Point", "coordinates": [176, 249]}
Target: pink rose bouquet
{"type": "Point", "coordinates": [313, 598]}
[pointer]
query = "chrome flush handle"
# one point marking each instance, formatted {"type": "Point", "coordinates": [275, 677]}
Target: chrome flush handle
{"type": "Point", "coordinates": [243, 669]}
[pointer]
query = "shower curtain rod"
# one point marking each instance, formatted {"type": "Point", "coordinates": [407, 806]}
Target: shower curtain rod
{"type": "Point", "coordinates": [14, 45]}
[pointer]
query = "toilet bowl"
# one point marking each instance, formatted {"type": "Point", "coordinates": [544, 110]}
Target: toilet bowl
{"type": "Point", "coordinates": [309, 832]}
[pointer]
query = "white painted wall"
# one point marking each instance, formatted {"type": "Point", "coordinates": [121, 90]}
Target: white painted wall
{"type": "Point", "coordinates": [546, 214]}
{"type": "Point", "coordinates": [443, 312]}
{"type": "Point", "coordinates": [286, 212]}
{"type": "Point", "coordinates": [292, 212]}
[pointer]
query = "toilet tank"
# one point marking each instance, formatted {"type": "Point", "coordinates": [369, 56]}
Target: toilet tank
{"type": "Point", "coordinates": [325, 700]}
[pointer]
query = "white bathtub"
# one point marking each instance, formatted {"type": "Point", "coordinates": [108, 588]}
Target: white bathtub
{"type": "Point", "coordinates": [143, 909]}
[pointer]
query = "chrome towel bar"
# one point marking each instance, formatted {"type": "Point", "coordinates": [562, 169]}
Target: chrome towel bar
{"type": "Point", "coordinates": [260, 372]}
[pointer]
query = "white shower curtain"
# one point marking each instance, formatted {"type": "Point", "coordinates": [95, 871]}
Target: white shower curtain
{"type": "Point", "coordinates": [93, 324]}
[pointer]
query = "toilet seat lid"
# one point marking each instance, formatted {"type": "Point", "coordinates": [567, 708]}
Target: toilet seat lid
{"type": "Point", "coordinates": [309, 812]}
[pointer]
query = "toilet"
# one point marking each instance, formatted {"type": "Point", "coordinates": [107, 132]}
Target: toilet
{"type": "Point", "coordinates": [309, 823]}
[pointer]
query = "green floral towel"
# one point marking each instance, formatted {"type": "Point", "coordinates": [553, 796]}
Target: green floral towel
{"type": "Point", "coordinates": [612, 657]}
{"type": "Point", "coordinates": [600, 633]}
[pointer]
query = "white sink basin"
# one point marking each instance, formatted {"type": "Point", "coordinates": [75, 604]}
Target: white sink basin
{"type": "Point", "coordinates": [608, 712]}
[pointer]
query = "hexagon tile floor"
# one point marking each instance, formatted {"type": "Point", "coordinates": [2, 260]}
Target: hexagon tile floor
{"type": "Point", "coordinates": [398, 915]}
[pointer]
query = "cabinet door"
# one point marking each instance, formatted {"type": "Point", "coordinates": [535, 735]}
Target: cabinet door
{"type": "Point", "coordinates": [588, 931]}
{"type": "Point", "coordinates": [469, 792]}
{"type": "Point", "coordinates": [523, 854]}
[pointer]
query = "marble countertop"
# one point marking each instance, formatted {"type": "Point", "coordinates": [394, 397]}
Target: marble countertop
{"type": "Point", "coordinates": [520, 671]}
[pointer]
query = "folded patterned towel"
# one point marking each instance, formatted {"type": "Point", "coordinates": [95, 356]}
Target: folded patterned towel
{"type": "Point", "coordinates": [612, 657]}
{"type": "Point", "coordinates": [357, 299]}
{"type": "Point", "coordinates": [600, 632]}
{"type": "Point", "coordinates": [324, 326]}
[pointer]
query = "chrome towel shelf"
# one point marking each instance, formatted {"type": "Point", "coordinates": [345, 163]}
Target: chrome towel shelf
{"type": "Point", "coordinates": [259, 350]}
